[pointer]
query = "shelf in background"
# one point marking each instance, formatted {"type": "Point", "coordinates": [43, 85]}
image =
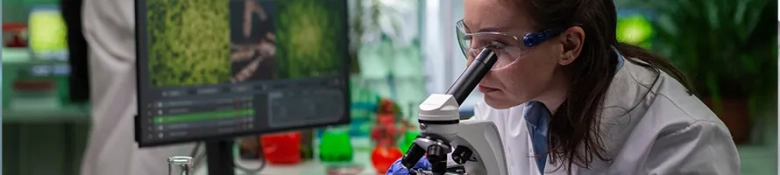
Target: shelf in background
{"type": "Point", "coordinates": [66, 113]}
{"type": "Point", "coordinates": [22, 56]}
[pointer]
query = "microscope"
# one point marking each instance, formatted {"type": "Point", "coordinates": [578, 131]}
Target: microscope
{"type": "Point", "coordinates": [475, 146]}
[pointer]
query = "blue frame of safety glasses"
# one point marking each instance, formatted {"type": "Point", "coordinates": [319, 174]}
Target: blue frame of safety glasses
{"type": "Point", "coordinates": [534, 39]}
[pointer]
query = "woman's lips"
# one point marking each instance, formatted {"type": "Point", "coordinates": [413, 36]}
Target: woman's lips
{"type": "Point", "coordinates": [484, 89]}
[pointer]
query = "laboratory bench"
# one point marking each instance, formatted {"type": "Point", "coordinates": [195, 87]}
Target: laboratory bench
{"type": "Point", "coordinates": [361, 157]}
{"type": "Point", "coordinates": [56, 138]}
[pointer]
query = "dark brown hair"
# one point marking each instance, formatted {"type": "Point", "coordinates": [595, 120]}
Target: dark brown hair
{"type": "Point", "coordinates": [574, 136]}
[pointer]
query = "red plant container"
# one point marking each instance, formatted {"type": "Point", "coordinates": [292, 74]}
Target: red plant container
{"type": "Point", "coordinates": [282, 148]}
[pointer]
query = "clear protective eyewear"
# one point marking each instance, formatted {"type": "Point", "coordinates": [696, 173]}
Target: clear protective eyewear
{"type": "Point", "coordinates": [508, 48]}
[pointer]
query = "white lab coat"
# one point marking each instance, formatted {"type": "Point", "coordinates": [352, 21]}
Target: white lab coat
{"type": "Point", "coordinates": [112, 150]}
{"type": "Point", "coordinates": [651, 126]}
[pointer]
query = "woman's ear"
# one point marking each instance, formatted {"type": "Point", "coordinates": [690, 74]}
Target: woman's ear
{"type": "Point", "coordinates": [572, 40]}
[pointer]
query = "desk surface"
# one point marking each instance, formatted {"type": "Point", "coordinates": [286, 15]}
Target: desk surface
{"type": "Point", "coordinates": [313, 167]}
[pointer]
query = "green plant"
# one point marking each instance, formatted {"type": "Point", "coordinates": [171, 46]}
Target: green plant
{"type": "Point", "coordinates": [728, 48]}
{"type": "Point", "coordinates": [372, 20]}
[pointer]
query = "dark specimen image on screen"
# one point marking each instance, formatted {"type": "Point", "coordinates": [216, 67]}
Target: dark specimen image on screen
{"type": "Point", "coordinates": [253, 49]}
{"type": "Point", "coordinates": [310, 38]}
{"type": "Point", "coordinates": [189, 42]}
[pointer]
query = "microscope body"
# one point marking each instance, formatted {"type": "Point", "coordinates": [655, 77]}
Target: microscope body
{"type": "Point", "coordinates": [475, 145]}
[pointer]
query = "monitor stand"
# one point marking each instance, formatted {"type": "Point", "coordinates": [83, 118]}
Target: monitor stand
{"type": "Point", "coordinates": [219, 157]}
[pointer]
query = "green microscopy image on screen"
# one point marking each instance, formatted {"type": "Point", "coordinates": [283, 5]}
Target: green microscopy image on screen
{"type": "Point", "coordinates": [311, 38]}
{"type": "Point", "coordinates": [189, 42]}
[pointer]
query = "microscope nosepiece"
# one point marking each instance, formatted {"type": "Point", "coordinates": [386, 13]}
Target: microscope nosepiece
{"type": "Point", "coordinates": [437, 156]}
{"type": "Point", "coordinates": [412, 156]}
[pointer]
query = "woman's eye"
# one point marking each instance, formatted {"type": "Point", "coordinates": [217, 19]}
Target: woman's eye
{"type": "Point", "coordinates": [496, 45]}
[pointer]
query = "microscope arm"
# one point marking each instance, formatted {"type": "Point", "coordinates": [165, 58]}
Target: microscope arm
{"type": "Point", "coordinates": [487, 151]}
{"type": "Point", "coordinates": [474, 144]}
{"type": "Point", "coordinates": [476, 148]}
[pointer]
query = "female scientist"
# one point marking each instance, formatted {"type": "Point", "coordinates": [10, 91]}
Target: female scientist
{"type": "Point", "coordinates": [567, 98]}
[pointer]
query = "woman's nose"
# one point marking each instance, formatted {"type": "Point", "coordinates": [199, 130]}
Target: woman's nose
{"type": "Point", "coordinates": [488, 76]}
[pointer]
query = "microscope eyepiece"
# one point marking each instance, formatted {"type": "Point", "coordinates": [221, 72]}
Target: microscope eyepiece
{"type": "Point", "coordinates": [470, 77]}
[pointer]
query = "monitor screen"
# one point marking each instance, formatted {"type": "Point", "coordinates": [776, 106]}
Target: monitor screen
{"type": "Point", "coordinates": [211, 70]}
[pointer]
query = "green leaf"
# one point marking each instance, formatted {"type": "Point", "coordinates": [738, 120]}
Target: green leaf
{"type": "Point", "coordinates": [689, 8]}
{"type": "Point", "coordinates": [740, 12]}
{"type": "Point", "coordinates": [749, 64]}
{"type": "Point", "coordinates": [667, 25]}
{"type": "Point", "coordinates": [752, 19]}
{"type": "Point", "coordinates": [714, 92]}
{"type": "Point", "coordinates": [711, 8]}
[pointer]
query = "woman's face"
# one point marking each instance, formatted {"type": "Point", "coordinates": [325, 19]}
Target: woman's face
{"type": "Point", "coordinates": [528, 78]}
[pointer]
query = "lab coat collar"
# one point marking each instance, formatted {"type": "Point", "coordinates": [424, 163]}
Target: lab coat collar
{"type": "Point", "coordinates": [627, 92]}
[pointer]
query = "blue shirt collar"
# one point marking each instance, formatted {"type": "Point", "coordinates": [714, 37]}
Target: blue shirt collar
{"type": "Point", "coordinates": [621, 60]}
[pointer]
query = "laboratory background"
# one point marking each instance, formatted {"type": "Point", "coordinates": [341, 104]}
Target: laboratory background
{"type": "Point", "coordinates": [400, 51]}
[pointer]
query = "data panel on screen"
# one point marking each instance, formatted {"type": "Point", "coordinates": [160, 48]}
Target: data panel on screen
{"type": "Point", "coordinates": [212, 69]}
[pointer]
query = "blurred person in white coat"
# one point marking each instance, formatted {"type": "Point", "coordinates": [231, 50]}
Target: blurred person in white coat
{"type": "Point", "coordinates": [109, 28]}
{"type": "Point", "coordinates": [568, 98]}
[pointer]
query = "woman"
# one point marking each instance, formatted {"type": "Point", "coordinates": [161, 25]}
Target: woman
{"type": "Point", "coordinates": [567, 98]}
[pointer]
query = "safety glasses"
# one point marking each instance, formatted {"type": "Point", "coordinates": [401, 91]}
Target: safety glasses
{"type": "Point", "coordinates": [508, 48]}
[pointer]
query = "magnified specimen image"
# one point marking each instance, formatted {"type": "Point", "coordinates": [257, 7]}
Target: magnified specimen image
{"type": "Point", "coordinates": [253, 40]}
{"type": "Point", "coordinates": [311, 38]}
{"type": "Point", "coordinates": [189, 42]}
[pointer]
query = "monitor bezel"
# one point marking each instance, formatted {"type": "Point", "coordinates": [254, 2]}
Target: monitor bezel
{"type": "Point", "coordinates": [142, 72]}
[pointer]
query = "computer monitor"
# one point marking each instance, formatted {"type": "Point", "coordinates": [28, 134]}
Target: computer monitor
{"type": "Point", "coordinates": [215, 70]}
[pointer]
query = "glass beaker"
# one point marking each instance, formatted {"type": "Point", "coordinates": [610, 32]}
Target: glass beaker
{"type": "Point", "coordinates": [180, 165]}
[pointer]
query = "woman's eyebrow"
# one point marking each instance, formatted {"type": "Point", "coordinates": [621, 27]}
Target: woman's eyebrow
{"type": "Point", "coordinates": [492, 29]}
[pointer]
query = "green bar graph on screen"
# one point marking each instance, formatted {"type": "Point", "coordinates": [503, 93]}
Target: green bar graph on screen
{"type": "Point", "coordinates": [203, 116]}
